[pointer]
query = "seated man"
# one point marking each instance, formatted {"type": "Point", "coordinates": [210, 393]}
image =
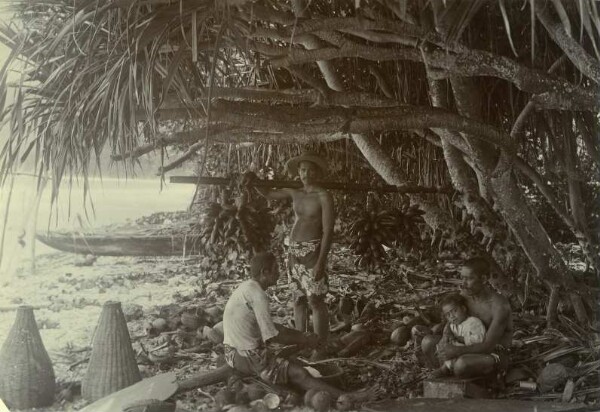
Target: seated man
{"type": "Point", "coordinates": [460, 330]}
{"type": "Point", "coordinates": [248, 329]}
{"type": "Point", "coordinates": [493, 309]}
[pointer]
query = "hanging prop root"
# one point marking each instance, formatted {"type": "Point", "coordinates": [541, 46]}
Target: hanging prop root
{"type": "Point", "coordinates": [205, 378]}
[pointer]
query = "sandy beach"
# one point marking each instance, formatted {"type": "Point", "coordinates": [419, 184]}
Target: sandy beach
{"type": "Point", "coordinates": [70, 297]}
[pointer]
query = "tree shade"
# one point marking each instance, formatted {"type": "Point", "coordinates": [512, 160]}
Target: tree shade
{"type": "Point", "coordinates": [502, 96]}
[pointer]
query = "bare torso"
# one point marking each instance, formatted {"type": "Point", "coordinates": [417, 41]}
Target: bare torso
{"type": "Point", "coordinates": [487, 308]}
{"type": "Point", "coordinates": [308, 215]}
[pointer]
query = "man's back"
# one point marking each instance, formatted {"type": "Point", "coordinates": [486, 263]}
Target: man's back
{"type": "Point", "coordinates": [247, 323]}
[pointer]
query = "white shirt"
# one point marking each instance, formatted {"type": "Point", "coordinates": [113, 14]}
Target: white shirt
{"type": "Point", "coordinates": [471, 329]}
{"type": "Point", "coordinates": [247, 322]}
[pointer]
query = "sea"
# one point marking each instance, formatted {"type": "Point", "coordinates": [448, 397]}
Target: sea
{"type": "Point", "coordinates": [110, 201]}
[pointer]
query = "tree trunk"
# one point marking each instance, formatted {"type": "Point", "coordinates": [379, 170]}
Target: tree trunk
{"type": "Point", "coordinates": [465, 180]}
{"type": "Point", "coordinates": [312, 42]}
{"type": "Point", "coordinates": [575, 198]}
{"type": "Point", "coordinates": [511, 203]}
{"type": "Point", "coordinates": [436, 218]}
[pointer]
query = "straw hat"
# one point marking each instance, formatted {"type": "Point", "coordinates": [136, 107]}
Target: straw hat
{"type": "Point", "coordinates": [294, 162]}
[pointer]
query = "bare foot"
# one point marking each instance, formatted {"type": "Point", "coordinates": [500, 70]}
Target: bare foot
{"type": "Point", "coordinates": [440, 373]}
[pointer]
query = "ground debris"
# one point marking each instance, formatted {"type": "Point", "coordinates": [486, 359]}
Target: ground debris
{"type": "Point", "coordinates": [189, 295]}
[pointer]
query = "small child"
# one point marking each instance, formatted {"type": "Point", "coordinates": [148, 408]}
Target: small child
{"type": "Point", "coordinates": [461, 329]}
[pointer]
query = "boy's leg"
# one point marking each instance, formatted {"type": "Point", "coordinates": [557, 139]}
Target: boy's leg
{"type": "Point", "coordinates": [300, 313]}
{"type": "Point", "coordinates": [298, 376]}
{"type": "Point", "coordinates": [320, 316]}
{"type": "Point", "coordinates": [429, 348]}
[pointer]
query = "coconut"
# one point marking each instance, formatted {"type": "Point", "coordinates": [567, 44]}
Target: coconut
{"type": "Point", "coordinates": [553, 376]}
{"type": "Point", "coordinates": [271, 400]}
{"type": "Point", "coordinates": [159, 324]}
{"type": "Point", "coordinates": [308, 397]}
{"type": "Point", "coordinates": [400, 335]}
{"type": "Point", "coordinates": [321, 401]}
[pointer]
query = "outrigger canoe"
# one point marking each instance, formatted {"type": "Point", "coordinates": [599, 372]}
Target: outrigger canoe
{"type": "Point", "coordinates": [120, 245]}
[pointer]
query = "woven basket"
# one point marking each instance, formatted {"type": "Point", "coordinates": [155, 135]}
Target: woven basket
{"type": "Point", "coordinates": [112, 364]}
{"type": "Point", "coordinates": [26, 373]}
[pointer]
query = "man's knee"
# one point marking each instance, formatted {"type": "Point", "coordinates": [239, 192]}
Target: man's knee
{"type": "Point", "coordinates": [462, 368]}
{"type": "Point", "coordinates": [429, 342]}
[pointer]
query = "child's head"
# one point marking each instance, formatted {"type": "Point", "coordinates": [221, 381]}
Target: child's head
{"type": "Point", "coordinates": [454, 308]}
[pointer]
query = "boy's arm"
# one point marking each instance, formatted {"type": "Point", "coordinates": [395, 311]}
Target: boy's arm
{"type": "Point", "coordinates": [287, 336]}
{"type": "Point", "coordinates": [327, 223]}
{"type": "Point", "coordinates": [249, 177]}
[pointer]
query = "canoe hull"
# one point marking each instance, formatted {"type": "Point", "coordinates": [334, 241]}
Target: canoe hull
{"type": "Point", "coordinates": [119, 245]}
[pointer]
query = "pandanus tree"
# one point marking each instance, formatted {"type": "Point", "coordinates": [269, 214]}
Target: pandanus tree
{"type": "Point", "coordinates": [504, 93]}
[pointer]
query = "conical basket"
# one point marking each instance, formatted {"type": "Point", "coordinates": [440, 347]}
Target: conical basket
{"type": "Point", "coordinates": [26, 373]}
{"type": "Point", "coordinates": [112, 364]}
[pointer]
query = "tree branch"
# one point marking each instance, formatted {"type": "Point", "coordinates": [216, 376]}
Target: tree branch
{"type": "Point", "coordinates": [551, 92]}
{"type": "Point", "coordinates": [538, 180]}
{"type": "Point", "coordinates": [290, 96]}
{"type": "Point", "coordinates": [164, 140]}
{"type": "Point", "coordinates": [161, 141]}
{"type": "Point", "coordinates": [586, 64]}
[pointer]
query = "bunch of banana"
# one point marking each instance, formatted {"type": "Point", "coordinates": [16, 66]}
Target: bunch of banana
{"type": "Point", "coordinates": [256, 226]}
{"type": "Point", "coordinates": [244, 227]}
{"type": "Point", "coordinates": [373, 230]}
{"type": "Point", "coordinates": [370, 232]}
{"type": "Point", "coordinates": [409, 221]}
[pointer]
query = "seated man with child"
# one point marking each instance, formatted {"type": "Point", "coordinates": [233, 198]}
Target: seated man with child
{"type": "Point", "coordinates": [479, 334]}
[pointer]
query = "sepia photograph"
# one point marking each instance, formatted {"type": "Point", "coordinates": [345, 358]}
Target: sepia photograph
{"type": "Point", "coordinates": [299, 205]}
